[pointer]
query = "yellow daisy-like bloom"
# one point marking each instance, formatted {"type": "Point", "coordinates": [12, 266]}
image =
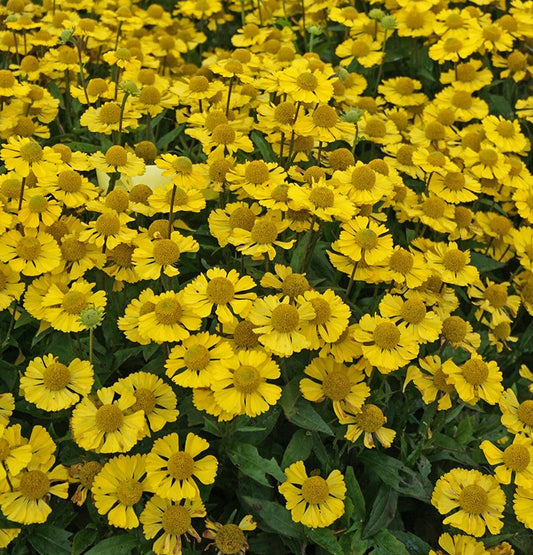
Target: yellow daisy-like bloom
{"type": "Point", "coordinates": [83, 474]}
{"type": "Point", "coordinates": [459, 333]}
{"type": "Point", "coordinates": [227, 291]}
{"type": "Point", "coordinates": [325, 126]}
{"type": "Point", "coordinates": [15, 454]}
{"type": "Point", "coordinates": [11, 288]}
{"type": "Point", "coordinates": [431, 379]}
{"type": "Point", "coordinates": [168, 317]}
{"type": "Point", "coordinates": [129, 323]}
{"type": "Point", "coordinates": [158, 256]}
{"type": "Point", "coordinates": [109, 117]}
{"type": "Point", "coordinates": [364, 239]}
{"type": "Point", "coordinates": [62, 306]}
{"type": "Point", "coordinates": [229, 539]}
{"type": "Point", "coordinates": [27, 502]}
{"type": "Point", "coordinates": [363, 49]}
{"type": "Point", "coordinates": [153, 396]}
{"type": "Point", "coordinates": [173, 473]}
{"type": "Point", "coordinates": [343, 385]}
{"type": "Point", "coordinates": [402, 91]}
{"type": "Point", "coordinates": [517, 416]}
{"type": "Point", "coordinates": [262, 239]}
{"type": "Point", "coordinates": [505, 134]}
{"type": "Point", "coordinates": [314, 501]}
{"type": "Point", "coordinates": [31, 254]}
{"type": "Point", "coordinates": [465, 106]}
{"type": "Point", "coordinates": [203, 399]}
{"type": "Point", "coordinates": [69, 187]}
{"type": "Point", "coordinates": [174, 520]}
{"type": "Point", "coordinates": [7, 535]}
{"type": "Point", "coordinates": [103, 425]}
{"type": "Point", "coordinates": [235, 215]}
{"type": "Point", "coordinates": [476, 379]}
{"type": "Point", "coordinates": [286, 280]}
{"type": "Point", "coordinates": [51, 385]}
{"type": "Point", "coordinates": [459, 545]}
{"type": "Point", "coordinates": [304, 84]}
{"type": "Point", "coordinates": [423, 325]}
{"type": "Point", "coordinates": [408, 267]}
{"type": "Point", "coordinates": [478, 498]}
{"type": "Point", "coordinates": [452, 264]}
{"type": "Point", "coordinates": [331, 317]}
{"type": "Point", "coordinates": [385, 344]}
{"type": "Point", "coordinates": [494, 298]}
{"type": "Point", "coordinates": [24, 155]}
{"type": "Point", "coordinates": [486, 162]}
{"type": "Point", "coordinates": [523, 506]}
{"type": "Point", "coordinates": [118, 159]}
{"type": "Point", "coordinates": [108, 230]}
{"type": "Point", "coordinates": [241, 387]}
{"type": "Point", "coordinates": [194, 362]}
{"type": "Point", "coordinates": [182, 171]}
{"type": "Point", "coordinates": [454, 186]}
{"type": "Point", "coordinates": [367, 421]}
{"type": "Point", "coordinates": [7, 406]}
{"type": "Point", "coordinates": [36, 209]}
{"type": "Point", "coordinates": [279, 324]}
{"type": "Point", "coordinates": [517, 458]}
{"type": "Point", "coordinates": [118, 487]}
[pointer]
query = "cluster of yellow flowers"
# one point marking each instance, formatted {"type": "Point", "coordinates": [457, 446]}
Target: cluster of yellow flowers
{"type": "Point", "coordinates": [329, 203]}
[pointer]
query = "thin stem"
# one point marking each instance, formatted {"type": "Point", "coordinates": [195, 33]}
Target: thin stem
{"type": "Point", "coordinates": [91, 334]}
{"type": "Point", "coordinates": [171, 213]}
{"type": "Point", "coordinates": [350, 283]}
{"type": "Point", "coordinates": [82, 75]}
{"type": "Point", "coordinates": [22, 185]}
{"type": "Point", "coordinates": [380, 70]}
{"type": "Point", "coordinates": [229, 93]}
{"type": "Point", "coordinates": [121, 120]}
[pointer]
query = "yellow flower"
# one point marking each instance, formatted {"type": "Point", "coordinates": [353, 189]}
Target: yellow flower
{"type": "Point", "coordinates": [229, 539]}
{"type": "Point", "coordinates": [368, 420]}
{"type": "Point", "coordinates": [459, 545]}
{"type": "Point", "coordinates": [241, 386]}
{"type": "Point", "coordinates": [36, 209]}
{"type": "Point", "coordinates": [517, 416]}
{"type": "Point", "coordinates": [523, 506]}
{"type": "Point", "coordinates": [343, 385]}
{"type": "Point", "coordinates": [465, 106]}
{"type": "Point", "coordinates": [102, 424]}
{"type": "Point", "coordinates": [304, 84]}
{"type": "Point", "coordinates": [51, 385]}
{"type": "Point", "coordinates": [173, 519]}
{"type": "Point", "coordinates": [235, 215]}
{"type": "Point", "coordinates": [118, 487]}
{"type": "Point", "coordinates": [109, 117]}
{"type": "Point", "coordinates": [402, 91]}
{"type": "Point", "coordinates": [182, 171]}
{"type": "Point", "coordinates": [325, 126]}
{"type": "Point", "coordinates": [83, 474]}
{"type": "Point", "coordinates": [452, 264]}
{"type": "Point", "coordinates": [69, 187]}
{"type": "Point", "coordinates": [173, 473]}
{"type": "Point", "coordinates": [16, 454]}
{"type": "Point", "coordinates": [108, 230]}
{"type": "Point", "coordinates": [153, 396]}
{"type": "Point", "coordinates": [478, 498]}
{"type": "Point", "coordinates": [129, 323]}
{"type": "Point", "coordinates": [431, 379]}
{"type": "Point", "coordinates": [286, 280]}
{"type": "Point", "coordinates": [363, 49]}
{"type": "Point", "coordinates": [279, 324]}
{"type": "Point", "coordinates": [506, 135]}
{"type": "Point", "coordinates": [24, 155]}
{"type": "Point", "coordinates": [227, 291]}
{"type": "Point", "coordinates": [314, 501]}
{"type": "Point", "coordinates": [118, 159]}
{"type": "Point", "coordinates": [517, 458]}
{"type": "Point", "coordinates": [11, 288]}
{"type": "Point", "coordinates": [193, 362]}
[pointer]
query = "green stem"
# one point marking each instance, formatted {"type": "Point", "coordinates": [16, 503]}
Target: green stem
{"type": "Point", "coordinates": [121, 120]}
{"type": "Point", "coordinates": [91, 333]}
{"type": "Point", "coordinates": [171, 213]}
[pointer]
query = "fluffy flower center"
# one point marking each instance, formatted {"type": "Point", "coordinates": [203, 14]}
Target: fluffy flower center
{"type": "Point", "coordinates": [294, 285]}
{"type": "Point", "coordinates": [413, 311]}
{"type": "Point", "coordinates": [220, 290]}
{"type": "Point", "coordinates": [322, 311]}
{"type": "Point", "coordinates": [505, 129]}
{"type": "Point", "coordinates": [129, 492]}
{"type": "Point", "coordinates": [366, 239]}
{"type": "Point", "coordinates": [502, 331]}
{"type": "Point", "coordinates": [284, 113]}
{"type": "Point", "coordinates": [439, 380]}
{"type": "Point", "coordinates": [405, 155]}
{"type": "Point", "coordinates": [404, 85]}
{"type": "Point", "coordinates": [264, 232]}
{"type": "Point", "coordinates": [452, 44]}
{"type": "Point", "coordinates": [525, 412]}
{"type": "Point", "coordinates": [4, 449]}
{"type": "Point", "coordinates": [256, 172]}
{"type": "Point", "coordinates": [168, 311]}
{"type": "Point", "coordinates": [475, 371]}
{"type": "Point", "coordinates": [7, 80]}
{"type": "Point", "coordinates": [370, 419]}
{"type": "Point", "coordinates": [116, 156]}
{"type": "Point", "coordinates": [29, 248]}
{"type": "Point", "coordinates": [325, 116]}
{"type": "Point", "coordinates": [435, 131]}
{"type": "Point", "coordinates": [121, 255]}
{"type": "Point", "coordinates": [166, 252]}
{"type": "Point", "coordinates": [488, 157]}
{"type": "Point", "coordinates": [462, 99]}
{"type": "Point", "coordinates": [401, 261]}
{"type": "Point", "coordinates": [69, 181]}
{"type": "Point", "coordinates": [500, 225]}
{"type": "Point", "coordinates": [150, 96]}
{"type": "Point", "coordinates": [360, 48]}
{"type": "Point", "coordinates": [117, 200]}
{"type": "Point", "coordinates": [315, 490]}
{"type": "Point", "coordinates": [107, 224]}
{"type": "Point", "coordinates": [176, 520]}
{"type": "Point", "coordinates": [496, 295]}
{"type": "Point", "coordinates": [363, 178]}
{"type": "Point", "coordinates": [109, 418]}
{"type": "Point", "coordinates": [31, 152]}
{"type": "Point", "coordinates": [88, 472]}
{"type": "Point", "coordinates": [34, 484]}
{"type": "Point", "coordinates": [198, 83]}
{"type": "Point", "coordinates": [455, 181]}
{"type": "Point", "coordinates": [307, 81]}
{"type": "Point", "coordinates": [74, 302]}
{"type": "Point", "coordinates": [37, 204]}
{"type": "Point", "coordinates": [375, 128]}
{"type": "Point", "coordinates": [285, 318]}
{"type": "Point", "coordinates": [144, 400]}
{"type": "Point", "coordinates": [473, 499]}
{"type": "Point", "coordinates": [244, 335]}
{"type": "Point", "coordinates": [223, 134]}
{"type": "Point", "coordinates": [180, 465]}
{"type": "Point", "coordinates": [242, 218]}
{"type": "Point", "coordinates": [386, 335]}
{"type": "Point", "coordinates": [230, 539]}
{"type": "Point", "coordinates": [56, 376]}
{"type": "Point", "coordinates": [110, 113]}
{"type": "Point", "coordinates": [434, 207]}
{"type": "Point", "coordinates": [322, 197]}
{"type": "Point", "coordinates": [197, 357]}
{"type": "Point", "coordinates": [454, 329]}
{"type": "Point", "coordinates": [336, 385]}
{"type": "Point", "coordinates": [454, 260]}
{"type": "Point", "coordinates": [516, 457]}
{"type": "Point", "coordinates": [246, 379]}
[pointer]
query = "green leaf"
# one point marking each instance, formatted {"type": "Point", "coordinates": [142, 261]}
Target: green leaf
{"type": "Point", "coordinates": [325, 539]}
{"type": "Point", "coordinates": [305, 416]}
{"type": "Point", "coordinates": [382, 513]}
{"type": "Point", "coordinates": [355, 494]}
{"type": "Point", "coordinates": [299, 448]}
{"type": "Point", "coordinates": [263, 147]}
{"type": "Point", "coordinates": [413, 544]}
{"type": "Point", "coordinates": [386, 544]}
{"type": "Point", "coordinates": [484, 263]}
{"type": "Point", "coordinates": [354, 544]}
{"type": "Point", "coordinates": [247, 459]}
{"type": "Point", "coordinates": [50, 540]}
{"type": "Point", "coordinates": [84, 539]}
{"type": "Point", "coordinates": [123, 544]}
{"type": "Point", "coordinates": [167, 138]}
{"type": "Point", "coordinates": [500, 106]}
{"type": "Point", "coordinates": [273, 516]}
